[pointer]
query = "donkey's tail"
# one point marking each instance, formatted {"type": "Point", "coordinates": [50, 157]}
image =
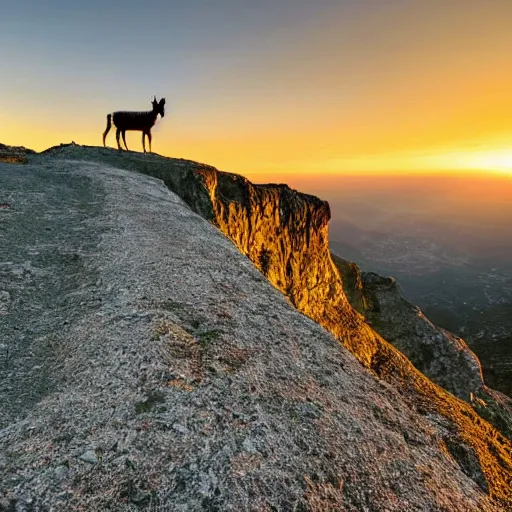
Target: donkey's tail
{"type": "Point", "coordinates": [107, 129]}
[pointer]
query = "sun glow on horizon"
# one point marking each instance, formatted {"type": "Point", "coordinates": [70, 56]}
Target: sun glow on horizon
{"type": "Point", "coordinates": [457, 160]}
{"type": "Point", "coordinates": [493, 160]}
{"type": "Point", "coordinates": [475, 158]}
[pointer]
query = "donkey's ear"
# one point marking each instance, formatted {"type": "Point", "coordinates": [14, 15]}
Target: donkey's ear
{"type": "Point", "coordinates": [162, 101]}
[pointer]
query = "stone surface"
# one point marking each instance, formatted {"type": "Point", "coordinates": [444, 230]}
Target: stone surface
{"type": "Point", "coordinates": [130, 314]}
{"type": "Point", "coordinates": [437, 353]}
{"type": "Point", "coordinates": [89, 456]}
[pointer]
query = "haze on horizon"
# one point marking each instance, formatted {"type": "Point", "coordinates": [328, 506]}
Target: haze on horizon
{"type": "Point", "coordinates": [269, 89]}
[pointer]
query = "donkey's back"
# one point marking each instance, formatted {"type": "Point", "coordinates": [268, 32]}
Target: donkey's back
{"type": "Point", "coordinates": [134, 120]}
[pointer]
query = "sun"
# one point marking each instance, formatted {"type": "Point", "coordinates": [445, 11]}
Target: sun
{"type": "Point", "coordinates": [500, 161]}
{"type": "Point", "coordinates": [495, 160]}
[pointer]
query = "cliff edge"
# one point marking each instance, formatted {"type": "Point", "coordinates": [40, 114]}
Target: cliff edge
{"type": "Point", "coordinates": [155, 366]}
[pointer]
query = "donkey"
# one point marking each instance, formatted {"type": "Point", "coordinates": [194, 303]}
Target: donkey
{"type": "Point", "coordinates": [139, 121]}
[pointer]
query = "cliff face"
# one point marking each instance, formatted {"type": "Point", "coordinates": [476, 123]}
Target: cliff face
{"type": "Point", "coordinates": [284, 233]}
{"type": "Point", "coordinates": [437, 353]}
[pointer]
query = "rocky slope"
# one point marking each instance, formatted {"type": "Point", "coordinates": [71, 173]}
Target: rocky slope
{"type": "Point", "coordinates": [182, 378]}
{"type": "Point", "coordinates": [437, 353]}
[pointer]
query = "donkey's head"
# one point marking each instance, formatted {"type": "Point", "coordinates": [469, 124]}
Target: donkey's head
{"type": "Point", "coordinates": [158, 106]}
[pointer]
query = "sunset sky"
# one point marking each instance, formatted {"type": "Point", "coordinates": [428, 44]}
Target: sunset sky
{"type": "Point", "coordinates": [269, 88]}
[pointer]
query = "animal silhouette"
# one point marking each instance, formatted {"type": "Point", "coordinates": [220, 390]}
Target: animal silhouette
{"type": "Point", "coordinates": [135, 121]}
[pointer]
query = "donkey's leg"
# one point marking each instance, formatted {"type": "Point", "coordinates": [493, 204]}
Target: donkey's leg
{"type": "Point", "coordinates": [124, 139]}
{"type": "Point", "coordinates": [109, 124]}
{"type": "Point", "coordinates": [149, 139]}
{"type": "Point", "coordinates": [144, 141]}
{"type": "Point", "coordinates": [118, 133]}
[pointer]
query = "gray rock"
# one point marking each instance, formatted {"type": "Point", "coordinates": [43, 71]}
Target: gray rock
{"type": "Point", "coordinates": [180, 428]}
{"type": "Point", "coordinates": [62, 472]}
{"type": "Point", "coordinates": [89, 456]}
{"type": "Point", "coordinates": [437, 353]}
{"type": "Point", "coordinates": [212, 309]}
{"type": "Point", "coordinates": [249, 446]}
{"type": "Point", "coordinates": [5, 300]}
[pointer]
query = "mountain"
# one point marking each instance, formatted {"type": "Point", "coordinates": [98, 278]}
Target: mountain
{"type": "Point", "coordinates": [149, 364]}
{"type": "Point", "coordinates": [440, 355]}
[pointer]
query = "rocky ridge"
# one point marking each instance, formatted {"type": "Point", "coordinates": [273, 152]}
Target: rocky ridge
{"type": "Point", "coordinates": [285, 234]}
{"type": "Point", "coordinates": [440, 355]}
{"type": "Point", "coordinates": [14, 154]}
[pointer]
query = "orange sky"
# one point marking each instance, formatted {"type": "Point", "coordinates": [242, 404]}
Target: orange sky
{"type": "Point", "coordinates": [352, 87]}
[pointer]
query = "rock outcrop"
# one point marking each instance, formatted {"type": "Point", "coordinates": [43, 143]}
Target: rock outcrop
{"type": "Point", "coordinates": [184, 379]}
{"type": "Point", "coordinates": [437, 353]}
{"type": "Point", "coordinates": [14, 154]}
{"type": "Point", "coordinates": [440, 355]}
